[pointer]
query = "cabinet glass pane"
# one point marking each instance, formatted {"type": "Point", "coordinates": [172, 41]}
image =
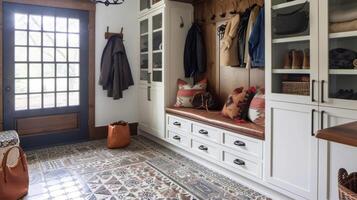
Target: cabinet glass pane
{"type": "Point", "coordinates": [342, 50]}
{"type": "Point", "coordinates": [157, 22]}
{"type": "Point", "coordinates": [144, 4]}
{"type": "Point", "coordinates": [157, 76]}
{"type": "Point", "coordinates": [144, 43]}
{"type": "Point", "coordinates": [144, 75]}
{"type": "Point", "coordinates": [144, 61]}
{"type": "Point", "coordinates": [157, 60]}
{"type": "Point", "coordinates": [156, 1]}
{"type": "Point", "coordinates": [157, 41]}
{"type": "Point", "coordinates": [144, 26]}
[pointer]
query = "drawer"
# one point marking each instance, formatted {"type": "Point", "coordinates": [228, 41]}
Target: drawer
{"type": "Point", "coordinates": [250, 166]}
{"type": "Point", "coordinates": [207, 133]}
{"type": "Point", "coordinates": [178, 139]}
{"type": "Point", "coordinates": [245, 145]}
{"type": "Point", "coordinates": [178, 123]}
{"type": "Point", "coordinates": [205, 149]}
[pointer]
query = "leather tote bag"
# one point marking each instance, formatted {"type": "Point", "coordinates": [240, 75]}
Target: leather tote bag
{"type": "Point", "coordinates": [14, 180]}
{"type": "Point", "coordinates": [291, 23]}
{"type": "Point", "coordinates": [118, 135]}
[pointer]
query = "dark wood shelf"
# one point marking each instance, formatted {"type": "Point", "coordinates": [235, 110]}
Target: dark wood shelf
{"type": "Point", "coordinates": [344, 134]}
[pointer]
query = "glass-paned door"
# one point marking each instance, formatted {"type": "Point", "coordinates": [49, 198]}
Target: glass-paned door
{"type": "Point", "coordinates": [45, 73]}
{"type": "Point", "coordinates": [342, 62]}
{"type": "Point", "coordinates": [144, 50]}
{"type": "Point", "coordinates": [157, 48]}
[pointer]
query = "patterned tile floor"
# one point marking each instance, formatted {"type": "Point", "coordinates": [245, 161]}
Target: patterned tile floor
{"type": "Point", "coordinates": [144, 170]}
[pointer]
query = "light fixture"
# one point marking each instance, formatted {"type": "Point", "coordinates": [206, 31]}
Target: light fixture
{"type": "Point", "coordinates": [109, 2]}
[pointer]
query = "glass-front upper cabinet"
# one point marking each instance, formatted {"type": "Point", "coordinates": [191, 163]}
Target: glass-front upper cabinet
{"type": "Point", "coordinates": [338, 53]}
{"type": "Point", "coordinates": [144, 49]}
{"type": "Point", "coordinates": [157, 48]}
{"type": "Point", "coordinates": [294, 55]}
{"type": "Point", "coordinates": [144, 4]}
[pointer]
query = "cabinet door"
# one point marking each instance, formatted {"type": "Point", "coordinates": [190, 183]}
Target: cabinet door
{"type": "Point", "coordinates": [157, 48]}
{"type": "Point", "coordinates": [144, 50]}
{"type": "Point", "coordinates": [338, 52]}
{"type": "Point", "coordinates": [291, 148]}
{"type": "Point", "coordinates": [334, 156]}
{"type": "Point", "coordinates": [158, 112]}
{"type": "Point", "coordinates": [144, 108]}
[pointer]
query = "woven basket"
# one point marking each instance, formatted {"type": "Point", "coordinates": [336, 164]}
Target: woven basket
{"type": "Point", "coordinates": [347, 185]}
{"type": "Point", "coordinates": [298, 88]}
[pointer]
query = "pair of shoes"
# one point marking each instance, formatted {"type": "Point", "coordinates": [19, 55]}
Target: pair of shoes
{"type": "Point", "coordinates": [297, 59]}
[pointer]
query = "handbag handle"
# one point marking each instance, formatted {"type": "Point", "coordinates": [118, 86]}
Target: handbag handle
{"type": "Point", "coordinates": [293, 12]}
{"type": "Point", "coordinates": [4, 161]}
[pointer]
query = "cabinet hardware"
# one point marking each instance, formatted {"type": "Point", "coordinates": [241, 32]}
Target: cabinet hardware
{"type": "Point", "coordinates": [149, 77]}
{"type": "Point", "coordinates": [322, 91]}
{"type": "Point", "coordinates": [239, 162]}
{"type": "Point", "coordinates": [322, 119]}
{"type": "Point", "coordinates": [203, 132]}
{"type": "Point", "coordinates": [313, 122]}
{"type": "Point", "coordinates": [177, 123]}
{"type": "Point", "coordinates": [313, 90]}
{"type": "Point", "coordinates": [239, 143]}
{"type": "Point", "coordinates": [176, 137]}
{"type": "Point", "coordinates": [149, 93]}
{"type": "Point", "coordinates": [203, 148]}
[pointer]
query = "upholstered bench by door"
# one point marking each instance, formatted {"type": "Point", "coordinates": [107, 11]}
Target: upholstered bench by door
{"type": "Point", "coordinates": [9, 139]}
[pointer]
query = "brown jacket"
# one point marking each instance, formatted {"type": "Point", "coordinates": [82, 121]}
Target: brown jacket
{"type": "Point", "coordinates": [229, 44]}
{"type": "Point", "coordinates": [115, 76]}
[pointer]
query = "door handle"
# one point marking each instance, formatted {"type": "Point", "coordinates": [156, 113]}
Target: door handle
{"type": "Point", "coordinates": [323, 91]}
{"type": "Point", "coordinates": [313, 90]}
{"type": "Point", "coordinates": [239, 143]}
{"type": "Point", "coordinates": [149, 77]}
{"type": "Point", "coordinates": [239, 162]}
{"type": "Point", "coordinates": [322, 119]}
{"type": "Point", "coordinates": [313, 122]}
{"type": "Point", "coordinates": [149, 93]}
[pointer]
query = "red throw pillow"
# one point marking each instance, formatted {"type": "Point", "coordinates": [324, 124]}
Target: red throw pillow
{"type": "Point", "coordinates": [237, 104]}
{"type": "Point", "coordinates": [257, 108]}
{"type": "Point", "coordinates": [186, 92]}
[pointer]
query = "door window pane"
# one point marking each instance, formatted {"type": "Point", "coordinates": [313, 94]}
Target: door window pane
{"type": "Point", "coordinates": [20, 102]}
{"type": "Point", "coordinates": [49, 39]}
{"type": "Point", "coordinates": [48, 23]}
{"type": "Point", "coordinates": [61, 84]}
{"type": "Point", "coordinates": [49, 70]}
{"type": "Point", "coordinates": [61, 99]}
{"type": "Point", "coordinates": [61, 24]}
{"type": "Point", "coordinates": [61, 70]}
{"type": "Point", "coordinates": [20, 54]}
{"type": "Point", "coordinates": [35, 70]}
{"type": "Point", "coordinates": [35, 54]}
{"type": "Point", "coordinates": [20, 70]}
{"type": "Point", "coordinates": [73, 25]}
{"type": "Point", "coordinates": [61, 39]}
{"type": "Point", "coordinates": [73, 98]}
{"type": "Point", "coordinates": [49, 100]}
{"type": "Point", "coordinates": [35, 22]}
{"type": "Point", "coordinates": [35, 38]}
{"type": "Point", "coordinates": [20, 21]}
{"type": "Point", "coordinates": [35, 85]}
{"type": "Point", "coordinates": [73, 69]}
{"type": "Point", "coordinates": [20, 37]}
{"type": "Point", "coordinates": [74, 84]}
{"type": "Point", "coordinates": [61, 54]}
{"type": "Point", "coordinates": [73, 40]}
{"type": "Point", "coordinates": [73, 55]}
{"type": "Point", "coordinates": [20, 86]}
{"type": "Point", "coordinates": [35, 101]}
{"type": "Point", "coordinates": [49, 85]}
{"type": "Point", "coordinates": [48, 54]}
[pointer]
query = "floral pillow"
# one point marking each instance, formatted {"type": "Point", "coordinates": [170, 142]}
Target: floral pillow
{"type": "Point", "coordinates": [237, 104]}
{"type": "Point", "coordinates": [186, 92]}
{"type": "Point", "coordinates": [257, 108]}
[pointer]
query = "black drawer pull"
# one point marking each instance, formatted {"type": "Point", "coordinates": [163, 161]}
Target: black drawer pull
{"type": "Point", "coordinates": [203, 132]}
{"type": "Point", "coordinates": [239, 143]}
{"type": "Point", "coordinates": [203, 148]}
{"type": "Point", "coordinates": [239, 162]}
{"type": "Point", "coordinates": [176, 137]}
{"type": "Point", "coordinates": [177, 123]}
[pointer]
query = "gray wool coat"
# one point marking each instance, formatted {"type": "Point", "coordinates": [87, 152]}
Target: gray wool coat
{"type": "Point", "coordinates": [115, 73]}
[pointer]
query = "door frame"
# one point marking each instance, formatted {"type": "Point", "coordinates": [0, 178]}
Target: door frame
{"type": "Point", "coordinates": [68, 4]}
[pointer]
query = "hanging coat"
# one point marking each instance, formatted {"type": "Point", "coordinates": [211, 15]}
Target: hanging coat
{"type": "Point", "coordinates": [229, 46]}
{"type": "Point", "coordinates": [195, 52]}
{"type": "Point", "coordinates": [257, 42]}
{"type": "Point", "coordinates": [115, 73]}
{"type": "Point", "coordinates": [242, 36]}
{"type": "Point", "coordinates": [252, 19]}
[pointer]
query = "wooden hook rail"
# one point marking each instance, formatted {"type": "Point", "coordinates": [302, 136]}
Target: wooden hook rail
{"type": "Point", "coordinates": [108, 34]}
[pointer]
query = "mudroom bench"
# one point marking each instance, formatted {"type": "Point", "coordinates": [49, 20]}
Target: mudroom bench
{"type": "Point", "coordinates": [235, 146]}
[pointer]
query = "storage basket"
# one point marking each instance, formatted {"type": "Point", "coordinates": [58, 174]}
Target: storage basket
{"type": "Point", "coordinates": [347, 185]}
{"type": "Point", "coordinates": [298, 88]}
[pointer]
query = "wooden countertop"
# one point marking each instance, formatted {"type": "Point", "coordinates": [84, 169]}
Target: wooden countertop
{"type": "Point", "coordinates": [344, 134]}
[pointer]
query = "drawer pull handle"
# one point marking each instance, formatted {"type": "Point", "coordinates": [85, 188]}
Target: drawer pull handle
{"type": "Point", "coordinates": [177, 123]}
{"type": "Point", "coordinates": [239, 162]}
{"type": "Point", "coordinates": [203, 132]}
{"type": "Point", "coordinates": [176, 137]}
{"type": "Point", "coordinates": [239, 143]}
{"type": "Point", "coordinates": [203, 148]}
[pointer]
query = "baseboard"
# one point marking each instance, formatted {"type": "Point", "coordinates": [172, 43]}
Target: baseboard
{"type": "Point", "coordinates": [101, 132]}
{"type": "Point", "coordinates": [225, 172]}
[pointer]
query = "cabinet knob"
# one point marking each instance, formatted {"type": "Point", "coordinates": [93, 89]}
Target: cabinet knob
{"type": "Point", "coordinates": [203, 148]}
{"type": "Point", "coordinates": [239, 162]}
{"type": "Point", "coordinates": [239, 143]}
{"type": "Point", "coordinates": [203, 132]}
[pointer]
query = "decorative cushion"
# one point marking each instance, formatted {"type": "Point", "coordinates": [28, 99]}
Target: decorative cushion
{"type": "Point", "coordinates": [257, 108]}
{"type": "Point", "coordinates": [186, 92]}
{"type": "Point", "coordinates": [237, 104]}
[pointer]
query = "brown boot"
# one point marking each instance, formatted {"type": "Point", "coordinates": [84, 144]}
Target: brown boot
{"type": "Point", "coordinates": [297, 59]}
{"type": "Point", "coordinates": [287, 60]}
{"type": "Point", "coordinates": [306, 62]}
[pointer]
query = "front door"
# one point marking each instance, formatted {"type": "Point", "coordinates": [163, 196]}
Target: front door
{"type": "Point", "coordinates": [45, 77]}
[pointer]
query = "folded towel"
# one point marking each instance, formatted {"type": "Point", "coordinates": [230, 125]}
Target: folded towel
{"type": "Point", "coordinates": [343, 13]}
{"type": "Point", "coordinates": [343, 26]}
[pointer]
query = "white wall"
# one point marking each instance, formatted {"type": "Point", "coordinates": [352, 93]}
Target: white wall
{"type": "Point", "coordinates": [117, 16]}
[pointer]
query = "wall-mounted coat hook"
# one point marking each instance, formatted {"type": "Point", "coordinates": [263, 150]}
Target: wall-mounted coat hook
{"type": "Point", "coordinates": [108, 34]}
{"type": "Point", "coordinates": [182, 24]}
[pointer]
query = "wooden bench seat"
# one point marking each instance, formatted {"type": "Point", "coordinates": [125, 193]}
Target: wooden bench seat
{"type": "Point", "coordinates": [215, 119]}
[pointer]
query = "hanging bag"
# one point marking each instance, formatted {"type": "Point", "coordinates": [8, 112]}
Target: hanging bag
{"type": "Point", "coordinates": [291, 23]}
{"type": "Point", "coordinates": [14, 180]}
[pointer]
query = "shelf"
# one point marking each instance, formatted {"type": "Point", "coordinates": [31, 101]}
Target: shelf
{"type": "Point", "coordinates": [343, 71]}
{"type": "Point", "coordinates": [289, 4]}
{"type": "Point", "coordinates": [343, 34]}
{"type": "Point", "coordinates": [157, 30]}
{"type": "Point", "coordinates": [344, 134]}
{"type": "Point", "coordinates": [157, 51]}
{"type": "Point", "coordinates": [144, 52]}
{"type": "Point", "coordinates": [292, 39]}
{"type": "Point", "coordinates": [144, 34]}
{"type": "Point", "coordinates": [291, 71]}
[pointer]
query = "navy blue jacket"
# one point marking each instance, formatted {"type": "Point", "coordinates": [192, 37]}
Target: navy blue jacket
{"type": "Point", "coordinates": [257, 42]}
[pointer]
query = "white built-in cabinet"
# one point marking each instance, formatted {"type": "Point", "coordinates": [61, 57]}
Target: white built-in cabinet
{"type": "Point", "coordinates": [163, 28]}
{"type": "Point", "coordinates": [296, 162]}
